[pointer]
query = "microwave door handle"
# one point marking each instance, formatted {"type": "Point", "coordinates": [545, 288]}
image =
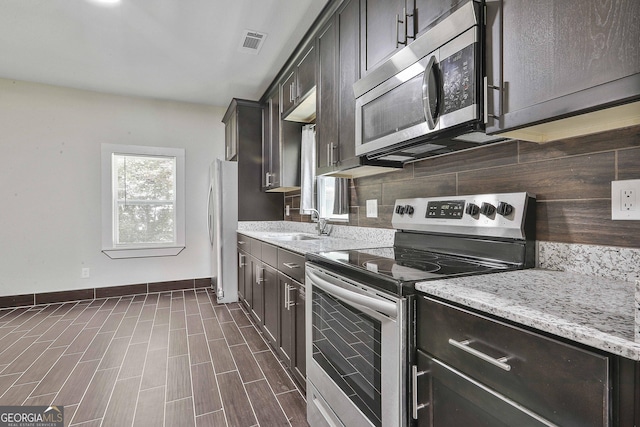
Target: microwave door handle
{"type": "Point", "coordinates": [386, 307]}
{"type": "Point", "coordinates": [428, 114]}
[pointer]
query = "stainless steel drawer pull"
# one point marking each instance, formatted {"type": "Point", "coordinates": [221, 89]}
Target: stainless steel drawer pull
{"type": "Point", "coordinates": [259, 272]}
{"type": "Point", "coordinates": [241, 242]}
{"type": "Point", "coordinates": [290, 265]}
{"type": "Point", "coordinates": [414, 385]}
{"type": "Point", "coordinates": [464, 346]}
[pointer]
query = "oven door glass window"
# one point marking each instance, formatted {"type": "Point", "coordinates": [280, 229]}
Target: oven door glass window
{"type": "Point", "coordinates": [346, 345]}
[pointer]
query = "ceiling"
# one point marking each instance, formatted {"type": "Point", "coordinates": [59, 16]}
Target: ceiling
{"type": "Point", "coordinates": [184, 50]}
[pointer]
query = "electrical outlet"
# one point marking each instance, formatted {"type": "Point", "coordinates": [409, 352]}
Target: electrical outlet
{"type": "Point", "coordinates": [372, 208]}
{"type": "Point", "coordinates": [628, 201]}
{"type": "Point", "coordinates": [624, 199]}
{"type": "Point", "coordinates": [84, 273]}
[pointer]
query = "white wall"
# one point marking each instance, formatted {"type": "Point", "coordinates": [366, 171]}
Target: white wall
{"type": "Point", "coordinates": [50, 184]}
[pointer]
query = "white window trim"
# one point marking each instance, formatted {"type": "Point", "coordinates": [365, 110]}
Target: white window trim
{"type": "Point", "coordinates": [108, 246]}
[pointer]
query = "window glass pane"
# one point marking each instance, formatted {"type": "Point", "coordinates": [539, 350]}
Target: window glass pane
{"type": "Point", "coordinates": [145, 178]}
{"type": "Point", "coordinates": [144, 192]}
{"type": "Point", "coordinates": [326, 187]}
{"type": "Point", "coordinates": [145, 223]}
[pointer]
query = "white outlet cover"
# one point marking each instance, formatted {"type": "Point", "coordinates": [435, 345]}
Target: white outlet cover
{"type": "Point", "coordinates": [372, 208]}
{"type": "Point", "coordinates": [618, 200]}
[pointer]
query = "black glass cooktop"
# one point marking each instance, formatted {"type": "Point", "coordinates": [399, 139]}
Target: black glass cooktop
{"type": "Point", "coordinates": [398, 268]}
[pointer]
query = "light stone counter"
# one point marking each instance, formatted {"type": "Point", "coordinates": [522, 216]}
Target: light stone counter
{"type": "Point", "coordinates": [601, 313]}
{"type": "Point", "coordinates": [340, 237]}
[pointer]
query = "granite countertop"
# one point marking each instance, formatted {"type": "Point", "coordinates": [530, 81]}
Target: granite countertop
{"type": "Point", "coordinates": [595, 311]}
{"type": "Point", "coordinates": [340, 237]}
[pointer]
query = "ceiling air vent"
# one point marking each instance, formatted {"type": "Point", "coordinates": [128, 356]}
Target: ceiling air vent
{"type": "Point", "coordinates": [251, 42]}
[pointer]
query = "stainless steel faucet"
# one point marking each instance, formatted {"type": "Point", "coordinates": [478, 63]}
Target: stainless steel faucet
{"type": "Point", "coordinates": [321, 223]}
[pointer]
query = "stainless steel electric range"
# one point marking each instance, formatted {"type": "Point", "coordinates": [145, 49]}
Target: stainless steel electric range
{"type": "Point", "coordinates": [359, 302]}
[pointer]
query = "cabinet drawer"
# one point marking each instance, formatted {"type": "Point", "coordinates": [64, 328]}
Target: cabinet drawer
{"type": "Point", "coordinates": [291, 264]}
{"type": "Point", "coordinates": [255, 247]}
{"type": "Point", "coordinates": [244, 242]}
{"type": "Point", "coordinates": [560, 382]}
{"type": "Point", "coordinates": [270, 254]}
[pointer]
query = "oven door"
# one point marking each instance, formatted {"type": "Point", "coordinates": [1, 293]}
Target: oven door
{"type": "Point", "coordinates": [356, 353]}
{"type": "Point", "coordinates": [427, 100]}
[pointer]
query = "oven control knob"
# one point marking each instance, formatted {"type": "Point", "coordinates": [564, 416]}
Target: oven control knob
{"type": "Point", "coordinates": [400, 210]}
{"type": "Point", "coordinates": [408, 209]}
{"type": "Point", "coordinates": [472, 209]}
{"type": "Point", "coordinates": [487, 209]}
{"type": "Point", "coordinates": [504, 209]}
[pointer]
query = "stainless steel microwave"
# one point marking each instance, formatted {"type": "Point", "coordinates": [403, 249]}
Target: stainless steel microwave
{"type": "Point", "coordinates": [427, 99]}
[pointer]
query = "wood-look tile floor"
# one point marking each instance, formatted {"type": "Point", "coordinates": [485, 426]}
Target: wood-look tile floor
{"type": "Point", "coordinates": [170, 359]}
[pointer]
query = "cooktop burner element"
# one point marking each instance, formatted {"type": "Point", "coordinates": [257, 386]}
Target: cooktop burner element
{"type": "Point", "coordinates": [404, 264]}
{"type": "Point", "coordinates": [444, 237]}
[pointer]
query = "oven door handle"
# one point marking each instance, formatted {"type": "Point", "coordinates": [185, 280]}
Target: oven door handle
{"type": "Point", "coordinates": [386, 307]}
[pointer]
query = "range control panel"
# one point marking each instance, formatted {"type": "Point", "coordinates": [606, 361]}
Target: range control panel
{"type": "Point", "coordinates": [497, 215]}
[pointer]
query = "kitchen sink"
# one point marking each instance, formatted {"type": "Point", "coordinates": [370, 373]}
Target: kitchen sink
{"type": "Point", "coordinates": [292, 237]}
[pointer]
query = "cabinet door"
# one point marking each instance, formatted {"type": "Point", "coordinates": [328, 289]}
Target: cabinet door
{"type": "Point", "coordinates": [338, 70]}
{"type": "Point", "coordinates": [381, 31]}
{"type": "Point", "coordinates": [452, 399]}
{"type": "Point", "coordinates": [247, 279]}
{"type": "Point", "coordinates": [306, 73]}
{"type": "Point", "coordinates": [288, 94]}
{"type": "Point", "coordinates": [257, 303]}
{"type": "Point", "coordinates": [242, 267]}
{"type": "Point", "coordinates": [348, 21]}
{"type": "Point", "coordinates": [270, 289]}
{"type": "Point", "coordinates": [563, 56]}
{"type": "Point", "coordinates": [327, 97]}
{"type": "Point", "coordinates": [271, 143]}
{"type": "Point", "coordinates": [231, 137]}
{"type": "Point", "coordinates": [300, 357]}
{"type": "Point", "coordinates": [286, 337]}
{"type": "Point", "coordinates": [273, 160]}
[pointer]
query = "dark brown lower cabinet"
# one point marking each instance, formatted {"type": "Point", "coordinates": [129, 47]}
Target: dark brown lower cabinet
{"type": "Point", "coordinates": [287, 319]}
{"type": "Point", "coordinates": [257, 303]}
{"type": "Point", "coordinates": [451, 398]}
{"type": "Point", "coordinates": [472, 367]}
{"type": "Point", "coordinates": [270, 286]}
{"type": "Point", "coordinates": [270, 289]}
{"type": "Point", "coordinates": [242, 268]}
{"type": "Point", "coordinates": [291, 346]}
{"type": "Point", "coordinates": [299, 347]}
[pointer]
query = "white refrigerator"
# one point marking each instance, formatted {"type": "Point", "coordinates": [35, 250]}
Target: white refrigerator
{"type": "Point", "coordinates": [223, 223]}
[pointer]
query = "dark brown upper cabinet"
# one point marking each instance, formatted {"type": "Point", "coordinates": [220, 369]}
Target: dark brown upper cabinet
{"type": "Point", "coordinates": [383, 30]}
{"type": "Point", "coordinates": [280, 148]}
{"type": "Point", "coordinates": [338, 45]}
{"type": "Point", "coordinates": [244, 119]}
{"type": "Point", "coordinates": [231, 137]}
{"type": "Point", "coordinates": [298, 89]}
{"type": "Point", "coordinates": [550, 60]}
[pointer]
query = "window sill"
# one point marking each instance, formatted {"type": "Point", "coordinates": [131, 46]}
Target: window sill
{"type": "Point", "coordinates": [142, 252]}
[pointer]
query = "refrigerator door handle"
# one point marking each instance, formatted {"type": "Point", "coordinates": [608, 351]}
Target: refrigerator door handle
{"type": "Point", "coordinates": [210, 214]}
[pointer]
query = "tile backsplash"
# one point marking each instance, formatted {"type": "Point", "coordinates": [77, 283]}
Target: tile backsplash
{"type": "Point", "coordinates": [571, 179]}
